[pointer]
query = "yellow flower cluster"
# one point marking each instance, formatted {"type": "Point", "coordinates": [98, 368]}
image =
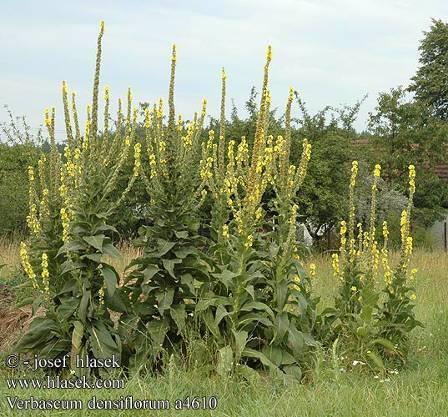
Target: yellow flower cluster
{"type": "Point", "coordinates": [23, 252]}
{"type": "Point", "coordinates": [354, 174]}
{"type": "Point", "coordinates": [242, 154]}
{"type": "Point", "coordinates": [32, 218]}
{"type": "Point", "coordinates": [335, 265]}
{"type": "Point", "coordinates": [404, 227]}
{"type": "Point", "coordinates": [101, 296]}
{"type": "Point", "coordinates": [206, 169]}
{"type": "Point", "coordinates": [249, 242]}
{"type": "Point", "coordinates": [204, 108]}
{"type": "Point", "coordinates": [258, 213]}
{"type": "Point", "coordinates": [65, 219]}
{"type": "Point", "coordinates": [303, 166]}
{"type": "Point", "coordinates": [147, 118]}
{"type": "Point", "coordinates": [343, 233]}
{"type": "Point", "coordinates": [45, 273]}
{"type": "Point", "coordinates": [152, 165]}
{"type": "Point", "coordinates": [312, 270]}
{"type": "Point", "coordinates": [377, 171]}
{"type": "Point", "coordinates": [137, 159]}
{"type": "Point", "coordinates": [44, 208]}
{"type": "Point", "coordinates": [225, 231]}
{"type": "Point", "coordinates": [296, 283]}
{"type": "Point", "coordinates": [188, 139]}
{"type": "Point", "coordinates": [412, 179]}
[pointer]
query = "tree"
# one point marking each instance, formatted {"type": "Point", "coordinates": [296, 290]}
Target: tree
{"type": "Point", "coordinates": [430, 83]}
{"type": "Point", "coordinates": [406, 132]}
{"type": "Point", "coordinates": [322, 199]}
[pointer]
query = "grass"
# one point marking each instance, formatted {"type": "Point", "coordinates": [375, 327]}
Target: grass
{"type": "Point", "coordinates": [9, 256]}
{"type": "Point", "coordinates": [420, 389]}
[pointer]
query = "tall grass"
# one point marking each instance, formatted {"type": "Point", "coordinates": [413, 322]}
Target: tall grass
{"type": "Point", "coordinates": [9, 256]}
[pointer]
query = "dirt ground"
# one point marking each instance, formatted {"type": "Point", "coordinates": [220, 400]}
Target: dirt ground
{"type": "Point", "coordinates": [13, 320]}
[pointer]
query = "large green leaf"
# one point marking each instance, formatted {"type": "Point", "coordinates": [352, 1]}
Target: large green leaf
{"type": "Point", "coordinates": [225, 361]}
{"type": "Point", "coordinates": [110, 279]}
{"type": "Point", "coordinates": [95, 241]}
{"type": "Point", "coordinates": [102, 342]}
{"type": "Point", "coordinates": [165, 299]}
{"type": "Point", "coordinates": [169, 265]}
{"type": "Point", "coordinates": [77, 336]}
{"type": "Point", "coordinates": [83, 305]}
{"type": "Point", "coordinates": [39, 333]}
{"type": "Point", "coordinates": [149, 273]}
{"type": "Point", "coordinates": [179, 315]}
{"type": "Point", "coordinates": [240, 343]}
{"type": "Point", "coordinates": [252, 353]}
{"type": "Point", "coordinates": [111, 250]}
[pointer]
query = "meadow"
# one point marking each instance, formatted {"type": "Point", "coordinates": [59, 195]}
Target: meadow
{"type": "Point", "coordinates": [419, 389]}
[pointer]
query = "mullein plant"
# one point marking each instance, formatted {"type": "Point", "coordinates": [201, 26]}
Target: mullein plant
{"type": "Point", "coordinates": [77, 318]}
{"type": "Point", "coordinates": [396, 317]}
{"type": "Point", "coordinates": [163, 283]}
{"type": "Point", "coordinates": [248, 309]}
{"type": "Point", "coordinates": [38, 254]}
{"type": "Point", "coordinates": [367, 325]}
{"type": "Point", "coordinates": [292, 297]}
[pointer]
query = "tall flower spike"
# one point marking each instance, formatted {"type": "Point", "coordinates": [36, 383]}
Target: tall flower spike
{"type": "Point", "coordinates": [75, 120]}
{"type": "Point", "coordinates": [351, 204]}
{"type": "Point", "coordinates": [222, 125]}
{"type": "Point", "coordinates": [171, 108]}
{"type": "Point", "coordinates": [68, 124]}
{"type": "Point", "coordinates": [376, 176]}
{"type": "Point", "coordinates": [96, 82]}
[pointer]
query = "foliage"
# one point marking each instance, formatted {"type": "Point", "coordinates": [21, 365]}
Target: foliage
{"type": "Point", "coordinates": [13, 159]}
{"type": "Point", "coordinates": [430, 84]}
{"type": "Point", "coordinates": [370, 327]}
{"type": "Point", "coordinates": [73, 203]}
{"type": "Point", "coordinates": [406, 131]}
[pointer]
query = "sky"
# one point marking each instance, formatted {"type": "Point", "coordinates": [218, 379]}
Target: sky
{"type": "Point", "coordinates": [332, 51]}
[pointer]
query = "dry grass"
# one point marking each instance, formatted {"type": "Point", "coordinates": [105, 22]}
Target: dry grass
{"type": "Point", "coordinates": [9, 255]}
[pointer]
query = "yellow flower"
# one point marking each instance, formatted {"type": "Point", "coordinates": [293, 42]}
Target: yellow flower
{"type": "Point", "coordinates": [335, 264]}
{"type": "Point", "coordinates": [353, 288]}
{"type": "Point", "coordinates": [411, 179]}
{"type": "Point", "coordinates": [377, 171]}
{"type": "Point", "coordinates": [269, 53]}
{"type": "Point", "coordinates": [204, 107]}
{"type": "Point", "coordinates": [101, 295]}
{"type": "Point", "coordinates": [45, 273]}
{"type": "Point", "coordinates": [413, 296]}
{"type": "Point", "coordinates": [137, 162]}
{"type": "Point", "coordinates": [354, 171]}
{"type": "Point", "coordinates": [23, 252]}
{"type": "Point", "coordinates": [225, 231]}
{"type": "Point", "coordinates": [312, 270]}
{"type": "Point", "coordinates": [385, 230]}
{"type": "Point", "coordinates": [106, 93]}
{"type": "Point", "coordinates": [249, 242]}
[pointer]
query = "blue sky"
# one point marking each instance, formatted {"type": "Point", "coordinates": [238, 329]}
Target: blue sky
{"type": "Point", "coordinates": [332, 51]}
